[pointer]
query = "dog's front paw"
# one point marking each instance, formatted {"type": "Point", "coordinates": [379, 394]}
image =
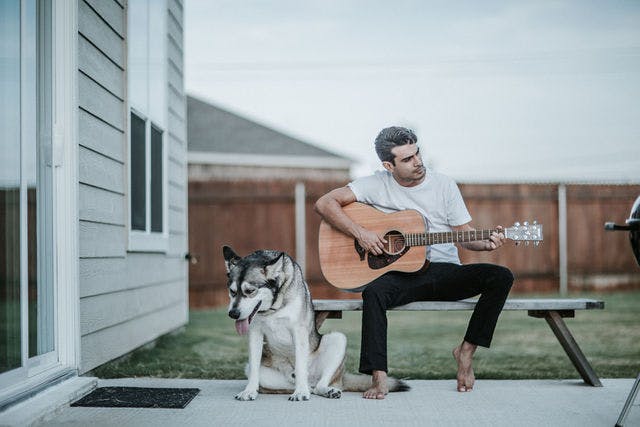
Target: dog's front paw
{"type": "Point", "coordinates": [333, 393]}
{"type": "Point", "coordinates": [299, 395]}
{"type": "Point", "coordinates": [330, 392]}
{"type": "Point", "coordinates": [247, 395]}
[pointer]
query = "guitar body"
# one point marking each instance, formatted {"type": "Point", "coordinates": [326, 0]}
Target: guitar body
{"type": "Point", "coordinates": [345, 264]}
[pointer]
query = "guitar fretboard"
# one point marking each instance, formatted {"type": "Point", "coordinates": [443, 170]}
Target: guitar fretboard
{"type": "Point", "coordinates": [427, 239]}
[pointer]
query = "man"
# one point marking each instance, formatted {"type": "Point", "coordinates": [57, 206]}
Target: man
{"type": "Point", "coordinates": [405, 184]}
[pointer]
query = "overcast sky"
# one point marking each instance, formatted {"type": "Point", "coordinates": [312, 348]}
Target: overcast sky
{"type": "Point", "coordinates": [539, 90]}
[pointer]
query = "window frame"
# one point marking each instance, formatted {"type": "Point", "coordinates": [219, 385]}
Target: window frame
{"type": "Point", "coordinates": [148, 240]}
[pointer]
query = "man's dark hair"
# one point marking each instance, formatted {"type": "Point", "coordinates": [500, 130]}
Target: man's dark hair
{"type": "Point", "coordinates": [391, 137]}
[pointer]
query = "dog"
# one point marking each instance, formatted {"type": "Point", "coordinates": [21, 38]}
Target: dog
{"type": "Point", "coordinates": [270, 301]}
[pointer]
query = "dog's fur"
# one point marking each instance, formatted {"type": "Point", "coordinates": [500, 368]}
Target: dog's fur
{"type": "Point", "coordinates": [270, 300]}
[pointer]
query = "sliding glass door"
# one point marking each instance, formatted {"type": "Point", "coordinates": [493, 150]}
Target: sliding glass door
{"type": "Point", "coordinates": [10, 325]}
{"type": "Point", "coordinates": [27, 328]}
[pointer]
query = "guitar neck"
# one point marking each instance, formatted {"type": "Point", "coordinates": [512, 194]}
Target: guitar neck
{"type": "Point", "coordinates": [428, 239]}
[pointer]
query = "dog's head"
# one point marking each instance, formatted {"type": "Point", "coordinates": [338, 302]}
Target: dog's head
{"type": "Point", "coordinates": [254, 283]}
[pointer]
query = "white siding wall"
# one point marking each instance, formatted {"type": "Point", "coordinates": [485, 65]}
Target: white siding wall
{"type": "Point", "coordinates": [126, 299]}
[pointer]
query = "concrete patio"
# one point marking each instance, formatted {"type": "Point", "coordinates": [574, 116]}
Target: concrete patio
{"type": "Point", "coordinates": [434, 403]}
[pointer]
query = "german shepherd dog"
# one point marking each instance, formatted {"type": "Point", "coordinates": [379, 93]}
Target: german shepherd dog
{"type": "Point", "coordinates": [270, 300]}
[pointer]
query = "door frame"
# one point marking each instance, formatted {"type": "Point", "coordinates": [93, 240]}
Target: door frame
{"type": "Point", "coordinates": [65, 181]}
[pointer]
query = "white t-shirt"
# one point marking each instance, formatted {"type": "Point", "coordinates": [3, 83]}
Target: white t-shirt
{"type": "Point", "coordinates": [437, 198]}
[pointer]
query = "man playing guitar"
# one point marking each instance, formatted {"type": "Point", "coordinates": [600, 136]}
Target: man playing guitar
{"type": "Point", "coordinates": [406, 184]}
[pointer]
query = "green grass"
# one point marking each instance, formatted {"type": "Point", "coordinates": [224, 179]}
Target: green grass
{"type": "Point", "coordinates": [420, 345]}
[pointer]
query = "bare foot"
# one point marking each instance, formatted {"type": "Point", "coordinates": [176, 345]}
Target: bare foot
{"type": "Point", "coordinates": [378, 386]}
{"type": "Point", "coordinates": [464, 357]}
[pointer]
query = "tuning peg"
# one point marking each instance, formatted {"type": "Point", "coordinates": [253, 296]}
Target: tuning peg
{"type": "Point", "coordinates": [516, 224]}
{"type": "Point", "coordinates": [535, 222]}
{"type": "Point", "coordinates": [526, 243]}
{"type": "Point", "coordinates": [536, 243]}
{"type": "Point", "coordinates": [526, 223]}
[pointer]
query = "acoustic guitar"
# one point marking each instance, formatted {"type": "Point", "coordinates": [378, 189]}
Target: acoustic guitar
{"type": "Point", "coordinates": [346, 265]}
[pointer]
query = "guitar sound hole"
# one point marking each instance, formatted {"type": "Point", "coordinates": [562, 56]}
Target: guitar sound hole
{"type": "Point", "coordinates": [395, 242]}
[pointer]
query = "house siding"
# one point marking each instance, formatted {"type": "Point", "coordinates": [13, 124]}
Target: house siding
{"type": "Point", "coordinates": [127, 299]}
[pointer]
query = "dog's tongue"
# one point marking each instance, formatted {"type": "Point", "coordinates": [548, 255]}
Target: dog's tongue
{"type": "Point", "coordinates": [242, 326]}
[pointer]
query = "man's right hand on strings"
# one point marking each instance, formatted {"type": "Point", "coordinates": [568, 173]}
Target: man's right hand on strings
{"type": "Point", "coordinates": [370, 241]}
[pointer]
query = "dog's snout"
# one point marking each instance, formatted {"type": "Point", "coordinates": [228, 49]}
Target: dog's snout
{"type": "Point", "coordinates": [234, 313]}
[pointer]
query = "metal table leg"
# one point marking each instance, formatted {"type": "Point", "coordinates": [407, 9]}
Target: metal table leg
{"type": "Point", "coordinates": [627, 405]}
{"type": "Point", "coordinates": [569, 344]}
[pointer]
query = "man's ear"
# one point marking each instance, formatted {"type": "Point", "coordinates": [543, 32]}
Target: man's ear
{"type": "Point", "coordinates": [388, 166]}
{"type": "Point", "coordinates": [272, 269]}
{"type": "Point", "coordinates": [230, 257]}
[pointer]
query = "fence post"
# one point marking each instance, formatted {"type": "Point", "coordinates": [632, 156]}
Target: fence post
{"type": "Point", "coordinates": [562, 237]}
{"type": "Point", "coordinates": [301, 226]}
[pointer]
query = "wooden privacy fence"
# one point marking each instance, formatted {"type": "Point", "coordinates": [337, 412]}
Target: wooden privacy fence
{"type": "Point", "coordinates": [251, 215]}
{"type": "Point", "coordinates": [595, 259]}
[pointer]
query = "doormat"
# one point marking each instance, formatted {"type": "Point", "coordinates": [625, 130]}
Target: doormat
{"type": "Point", "coordinates": [138, 397]}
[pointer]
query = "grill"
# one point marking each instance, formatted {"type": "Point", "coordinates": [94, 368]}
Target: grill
{"type": "Point", "coordinates": [632, 226]}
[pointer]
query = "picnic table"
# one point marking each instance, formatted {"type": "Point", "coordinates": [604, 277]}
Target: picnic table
{"type": "Point", "coordinates": [551, 309]}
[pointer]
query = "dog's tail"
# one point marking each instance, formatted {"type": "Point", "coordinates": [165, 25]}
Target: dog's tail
{"type": "Point", "coordinates": [360, 382]}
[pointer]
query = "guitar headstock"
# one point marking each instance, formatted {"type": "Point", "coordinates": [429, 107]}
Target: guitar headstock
{"type": "Point", "coordinates": [525, 232]}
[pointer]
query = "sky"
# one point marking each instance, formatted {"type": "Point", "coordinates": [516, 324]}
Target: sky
{"type": "Point", "coordinates": [495, 90]}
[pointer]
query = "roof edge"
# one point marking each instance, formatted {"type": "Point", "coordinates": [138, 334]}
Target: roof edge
{"type": "Point", "coordinates": [266, 125]}
{"type": "Point", "coordinates": [549, 181]}
{"type": "Point", "coordinates": [240, 159]}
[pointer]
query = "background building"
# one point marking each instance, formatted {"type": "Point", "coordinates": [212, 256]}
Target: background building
{"type": "Point", "coordinates": [251, 187]}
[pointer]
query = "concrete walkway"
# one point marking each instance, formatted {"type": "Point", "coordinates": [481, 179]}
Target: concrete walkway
{"type": "Point", "coordinates": [433, 403]}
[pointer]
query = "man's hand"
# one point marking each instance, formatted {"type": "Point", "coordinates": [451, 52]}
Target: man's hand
{"type": "Point", "coordinates": [330, 206]}
{"type": "Point", "coordinates": [370, 241]}
{"type": "Point", "coordinates": [495, 240]}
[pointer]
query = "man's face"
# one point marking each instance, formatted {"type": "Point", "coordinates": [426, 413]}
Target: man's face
{"type": "Point", "coordinates": [408, 169]}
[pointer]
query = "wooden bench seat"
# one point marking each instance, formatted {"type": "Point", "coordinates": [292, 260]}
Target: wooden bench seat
{"type": "Point", "coordinates": [551, 309]}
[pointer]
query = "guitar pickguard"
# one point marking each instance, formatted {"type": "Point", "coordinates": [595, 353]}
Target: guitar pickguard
{"type": "Point", "coordinates": [360, 250]}
{"type": "Point", "coordinates": [377, 262]}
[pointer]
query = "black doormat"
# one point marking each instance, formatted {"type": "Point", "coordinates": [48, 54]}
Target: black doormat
{"type": "Point", "coordinates": [138, 397]}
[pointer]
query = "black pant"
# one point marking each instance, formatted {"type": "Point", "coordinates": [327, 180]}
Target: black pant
{"type": "Point", "coordinates": [440, 282]}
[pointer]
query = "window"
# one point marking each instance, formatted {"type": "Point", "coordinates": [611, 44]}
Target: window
{"type": "Point", "coordinates": [156, 180]}
{"type": "Point", "coordinates": [147, 123]}
{"type": "Point", "coordinates": [138, 173]}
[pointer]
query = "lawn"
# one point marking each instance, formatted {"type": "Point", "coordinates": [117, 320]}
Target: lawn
{"type": "Point", "coordinates": [420, 345]}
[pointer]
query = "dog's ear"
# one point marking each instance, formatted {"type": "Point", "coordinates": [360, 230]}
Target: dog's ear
{"type": "Point", "coordinates": [230, 257]}
{"type": "Point", "coordinates": [275, 266]}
